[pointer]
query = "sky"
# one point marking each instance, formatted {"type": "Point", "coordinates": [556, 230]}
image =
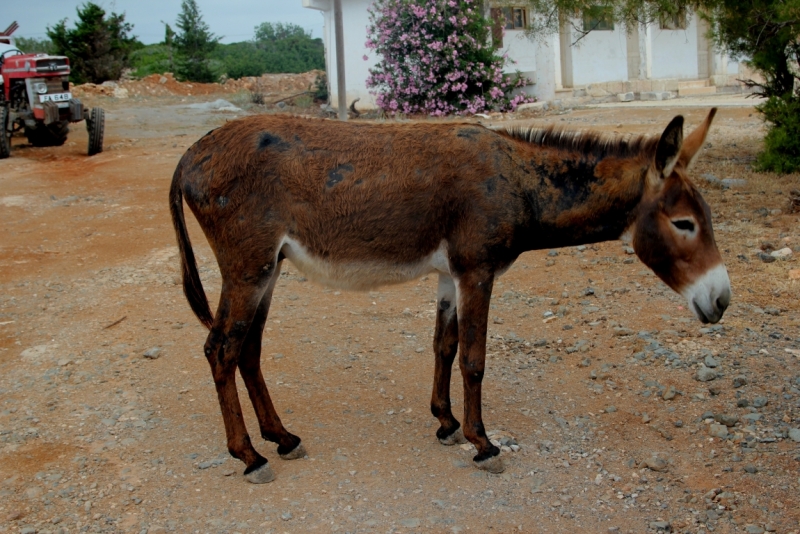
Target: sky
{"type": "Point", "coordinates": [234, 20]}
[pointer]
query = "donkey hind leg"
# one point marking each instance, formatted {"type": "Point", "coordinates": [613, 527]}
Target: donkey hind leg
{"type": "Point", "coordinates": [445, 347]}
{"type": "Point", "coordinates": [237, 307]}
{"type": "Point", "coordinates": [474, 295]}
{"type": "Point", "coordinates": [289, 446]}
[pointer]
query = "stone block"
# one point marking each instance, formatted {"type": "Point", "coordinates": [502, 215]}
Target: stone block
{"type": "Point", "coordinates": [625, 97]}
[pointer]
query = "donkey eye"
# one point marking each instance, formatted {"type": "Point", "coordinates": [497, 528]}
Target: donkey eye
{"type": "Point", "coordinates": [684, 224]}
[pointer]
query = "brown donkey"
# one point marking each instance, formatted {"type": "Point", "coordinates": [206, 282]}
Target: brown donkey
{"type": "Point", "coordinates": [357, 205]}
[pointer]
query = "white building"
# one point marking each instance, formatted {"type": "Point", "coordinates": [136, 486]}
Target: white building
{"type": "Point", "coordinates": [671, 56]}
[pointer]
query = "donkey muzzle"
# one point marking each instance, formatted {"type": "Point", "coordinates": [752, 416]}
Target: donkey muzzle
{"type": "Point", "coordinates": [708, 297]}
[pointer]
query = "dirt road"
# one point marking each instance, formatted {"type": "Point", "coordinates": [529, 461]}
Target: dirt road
{"type": "Point", "coordinates": [605, 424]}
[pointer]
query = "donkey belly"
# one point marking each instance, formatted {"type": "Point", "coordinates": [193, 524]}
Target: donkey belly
{"type": "Point", "coordinates": [361, 274]}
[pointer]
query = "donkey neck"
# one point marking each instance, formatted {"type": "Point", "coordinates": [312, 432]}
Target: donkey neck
{"type": "Point", "coordinates": [577, 199]}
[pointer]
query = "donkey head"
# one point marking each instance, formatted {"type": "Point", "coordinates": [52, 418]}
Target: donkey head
{"type": "Point", "coordinates": [673, 234]}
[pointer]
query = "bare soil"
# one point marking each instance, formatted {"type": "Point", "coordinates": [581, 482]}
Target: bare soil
{"type": "Point", "coordinates": [96, 437]}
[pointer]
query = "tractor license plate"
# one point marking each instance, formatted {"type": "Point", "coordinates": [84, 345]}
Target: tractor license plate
{"type": "Point", "coordinates": [58, 97]}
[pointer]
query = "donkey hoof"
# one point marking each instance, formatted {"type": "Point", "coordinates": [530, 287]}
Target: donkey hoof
{"type": "Point", "coordinates": [294, 454]}
{"type": "Point", "coordinates": [260, 475]}
{"type": "Point", "coordinates": [456, 438]}
{"type": "Point", "coordinates": [493, 464]}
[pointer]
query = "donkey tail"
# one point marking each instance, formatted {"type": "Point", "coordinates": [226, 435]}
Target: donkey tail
{"type": "Point", "coordinates": [192, 286]}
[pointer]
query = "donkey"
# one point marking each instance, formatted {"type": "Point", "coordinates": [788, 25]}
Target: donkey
{"type": "Point", "coordinates": [357, 205]}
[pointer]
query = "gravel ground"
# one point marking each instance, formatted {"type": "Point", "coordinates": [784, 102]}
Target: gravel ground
{"type": "Point", "coordinates": [617, 411]}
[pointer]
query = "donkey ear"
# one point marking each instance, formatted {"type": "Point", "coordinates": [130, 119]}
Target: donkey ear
{"type": "Point", "coordinates": [695, 140]}
{"type": "Point", "coordinates": [669, 147]}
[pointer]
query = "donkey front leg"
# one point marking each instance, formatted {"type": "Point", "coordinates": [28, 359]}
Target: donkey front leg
{"type": "Point", "coordinates": [237, 306]}
{"type": "Point", "coordinates": [289, 446]}
{"type": "Point", "coordinates": [475, 292]}
{"type": "Point", "coordinates": [445, 347]}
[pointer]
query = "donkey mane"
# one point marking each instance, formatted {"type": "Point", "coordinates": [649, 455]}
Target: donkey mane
{"type": "Point", "coordinates": [598, 144]}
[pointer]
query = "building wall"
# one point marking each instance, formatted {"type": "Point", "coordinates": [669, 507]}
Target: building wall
{"type": "Point", "coordinates": [601, 56]}
{"type": "Point", "coordinates": [674, 51]}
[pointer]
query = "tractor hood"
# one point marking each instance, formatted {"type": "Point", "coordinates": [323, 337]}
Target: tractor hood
{"type": "Point", "coordinates": [36, 65]}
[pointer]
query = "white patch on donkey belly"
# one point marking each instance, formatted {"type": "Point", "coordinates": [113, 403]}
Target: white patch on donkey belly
{"type": "Point", "coordinates": [361, 275]}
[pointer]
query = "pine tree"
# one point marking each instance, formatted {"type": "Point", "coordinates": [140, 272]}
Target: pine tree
{"type": "Point", "coordinates": [193, 43]}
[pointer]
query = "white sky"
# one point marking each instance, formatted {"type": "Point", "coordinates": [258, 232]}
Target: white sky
{"type": "Point", "coordinates": [234, 20]}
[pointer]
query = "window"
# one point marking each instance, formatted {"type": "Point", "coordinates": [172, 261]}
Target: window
{"type": "Point", "coordinates": [674, 22]}
{"type": "Point", "coordinates": [507, 18]}
{"type": "Point", "coordinates": [598, 18]}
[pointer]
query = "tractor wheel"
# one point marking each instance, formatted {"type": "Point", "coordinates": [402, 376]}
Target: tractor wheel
{"type": "Point", "coordinates": [95, 126]}
{"type": "Point", "coordinates": [53, 135]}
{"type": "Point", "coordinates": [5, 133]}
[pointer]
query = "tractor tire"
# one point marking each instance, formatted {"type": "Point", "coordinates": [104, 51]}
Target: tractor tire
{"type": "Point", "coordinates": [53, 135]}
{"type": "Point", "coordinates": [95, 126]}
{"type": "Point", "coordinates": [5, 133]}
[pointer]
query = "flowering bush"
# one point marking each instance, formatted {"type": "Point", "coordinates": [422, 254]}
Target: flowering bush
{"type": "Point", "coordinates": [436, 60]}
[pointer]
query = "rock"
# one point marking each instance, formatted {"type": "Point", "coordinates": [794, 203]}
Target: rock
{"type": "Point", "coordinates": [782, 254]}
{"type": "Point", "coordinates": [611, 409]}
{"type": "Point", "coordinates": [710, 361]}
{"type": "Point", "coordinates": [733, 182]}
{"type": "Point", "coordinates": [217, 105]}
{"type": "Point", "coordinates": [286, 516]}
{"type": "Point", "coordinates": [162, 80]}
{"type": "Point", "coordinates": [718, 431]}
{"type": "Point", "coordinates": [669, 393]}
{"type": "Point", "coordinates": [726, 419]}
{"type": "Point", "coordinates": [753, 529]}
{"type": "Point", "coordinates": [410, 522]}
{"type": "Point", "coordinates": [794, 434]}
{"type": "Point", "coordinates": [645, 418]}
{"type": "Point", "coordinates": [739, 381]}
{"type": "Point", "coordinates": [625, 97]}
{"type": "Point", "coordinates": [704, 374]}
{"type": "Point", "coordinates": [661, 525]}
{"type": "Point", "coordinates": [120, 92]}
{"type": "Point", "coordinates": [766, 258]}
{"type": "Point", "coordinates": [750, 468]}
{"type": "Point", "coordinates": [760, 402]}
{"type": "Point", "coordinates": [153, 353]}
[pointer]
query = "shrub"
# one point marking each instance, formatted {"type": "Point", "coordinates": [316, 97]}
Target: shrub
{"type": "Point", "coordinates": [436, 60]}
{"type": "Point", "coordinates": [782, 142]}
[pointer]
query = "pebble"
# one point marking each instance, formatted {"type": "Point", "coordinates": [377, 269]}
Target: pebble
{"type": "Point", "coordinates": [750, 468]}
{"type": "Point", "coordinates": [753, 529]}
{"type": "Point", "coordinates": [153, 353]}
{"type": "Point", "coordinates": [661, 525]}
{"type": "Point", "coordinates": [794, 434]}
{"type": "Point", "coordinates": [704, 374]}
{"type": "Point", "coordinates": [669, 393]}
{"type": "Point", "coordinates": [739, 381]}
{"type": "Point", "coordinates": [766, 258]}
{"type": "Point", "coordinates": [286, 516]}
{"type": "Point", "coordinates": [611, 409]}
{"type": "Point", "coordinates": [710, 361]}
{"type": "Point", "coordinates": [782, 254]}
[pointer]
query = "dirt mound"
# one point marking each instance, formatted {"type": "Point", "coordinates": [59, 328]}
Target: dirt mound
{"type": "Point", "coordinates": [166, 85]}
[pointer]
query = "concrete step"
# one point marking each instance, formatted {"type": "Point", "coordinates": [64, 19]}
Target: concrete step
{"type": "Point", "coordinates": [691, 84]}
{"type": "Point", "coordinates": [696, 91]}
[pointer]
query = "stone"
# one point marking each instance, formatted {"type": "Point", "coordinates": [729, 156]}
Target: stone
{"type": "Point", "coordinates": [704, 374]}
{"type": "Point", "coordinates": [718, 431]}
{"type": "Point", "coordinates": [766, 258]}
{"type": "Point", "coordinates": [286, 516]}
{"type": "Point", "coordinates": [739, 381]}
{"type": "Point", "coordinates": [661, 525]}
{"type": "Point", "coordinates": [654, 95]}
{"type": "Point", "coordinates": [625, 97]}
{"type": "Point", "coordinates": [669, 393]}
{"type": "Point", "coordinates": [794, 434]}
{"type": "Point", "coordinates": [611, 409]}
{"type": "Point", "coordinates": [120, 92]}
{"type": "Point", "coordinates": [753, 529]}
{"type": "Point", "coordinates": [750, 468]}
{"type": "Point", "coordinates": [710, 361]}
{"type": "Point", "coordinates": [153, 353]}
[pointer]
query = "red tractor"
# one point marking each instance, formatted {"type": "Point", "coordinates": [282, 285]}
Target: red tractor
{"type": "Point", "coordinates": [35, 98]}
